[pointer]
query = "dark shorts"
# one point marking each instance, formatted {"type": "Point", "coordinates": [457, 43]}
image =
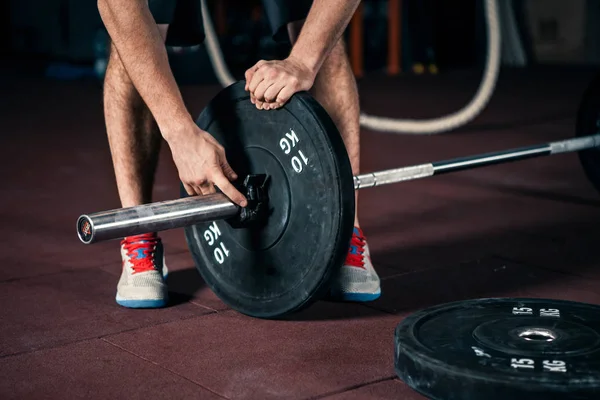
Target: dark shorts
{"type": "Point", "coordinates": [184, 18]}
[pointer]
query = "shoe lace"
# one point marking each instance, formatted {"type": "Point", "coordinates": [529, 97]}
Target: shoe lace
{"type": "Point", "coordinates": [357, 248]}
{"type": "Point", "coordinates": [140, 250]}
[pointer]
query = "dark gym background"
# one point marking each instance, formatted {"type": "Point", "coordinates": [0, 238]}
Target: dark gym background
{"type": "Point", "coordinates": [67, 31]}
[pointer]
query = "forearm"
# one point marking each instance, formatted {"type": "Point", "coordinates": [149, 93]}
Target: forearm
{"type": "Point", "coordinates": [323, 27]}
{"type": "Point", "coordinates": [143, 54]}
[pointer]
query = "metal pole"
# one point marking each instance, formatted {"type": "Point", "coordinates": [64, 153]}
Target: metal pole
{"type": "Point", "coordinates": [458, 164]}
{"type": "Point", "coordinates": [188, 211]}
{"type": "Point", "coordinates": [154, 217]}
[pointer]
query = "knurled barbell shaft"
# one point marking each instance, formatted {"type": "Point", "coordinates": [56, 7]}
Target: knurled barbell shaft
{"type": "Point", "coordinates": [458, 164]}
{"type": "Point", "coordinates": [171, 214]}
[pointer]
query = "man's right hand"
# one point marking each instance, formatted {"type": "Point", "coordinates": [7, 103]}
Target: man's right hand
{"type": "Point", "coordinates": [202, 164]}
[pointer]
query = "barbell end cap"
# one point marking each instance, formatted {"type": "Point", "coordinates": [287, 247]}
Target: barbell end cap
{"type": "Point", "coordinates": [85, 229]}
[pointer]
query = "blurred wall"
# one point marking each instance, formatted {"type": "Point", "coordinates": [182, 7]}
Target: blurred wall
{"type": "Point", "coordinates": [60, 29]}
{"type": "Point", "coordinates": [559, 31]}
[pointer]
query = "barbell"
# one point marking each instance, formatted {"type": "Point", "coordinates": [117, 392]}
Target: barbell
{"type": "Point", "coordinates": [278, 254]}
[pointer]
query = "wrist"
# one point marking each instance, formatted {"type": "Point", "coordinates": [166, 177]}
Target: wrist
{"type": "Point", "coordinates": [174, 128]}
{"type": "Point", "coordinates": [308, 60]}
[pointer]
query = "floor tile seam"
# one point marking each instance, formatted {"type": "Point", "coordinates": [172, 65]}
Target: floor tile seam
{"type": "Point", "coordinates": [194, 302]}
{"type": "Point", "coordinates": [541, 267]}
{"type": "Point", "coordinates": [48, 348]}
{"type": "Point", "coordinates": [139, 356]}
{"type": "Point", "coordinates": [353, 387]}
{"type": "Point", "coordinates": [43, 275]}
{"type": "Point", "coordinates": [101, 337]}
{"type": "Point", "coordinates": [63, 270]}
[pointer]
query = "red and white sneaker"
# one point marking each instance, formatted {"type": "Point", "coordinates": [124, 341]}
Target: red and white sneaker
{"type": "Point", "coordinates": [357, 279]}
{"type": "Point", "coordinates": [142, 283]}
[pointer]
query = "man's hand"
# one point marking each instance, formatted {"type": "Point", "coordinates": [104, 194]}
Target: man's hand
{"type": "Point", "coordinates": [202, 164]}
{"type": "Point", "coordinates": [272, 83]}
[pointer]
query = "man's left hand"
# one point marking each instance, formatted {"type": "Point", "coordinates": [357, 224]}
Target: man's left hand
{"type": "Point", "coordinates": [272, 83]}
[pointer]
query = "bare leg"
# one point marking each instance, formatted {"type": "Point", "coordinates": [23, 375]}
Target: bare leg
{"type": "Point", "coordinates": [335, 88]}
{"type": "Point", "coordinates": [133, 135]}
{"type": "Point", "coordinates": [134, 141]}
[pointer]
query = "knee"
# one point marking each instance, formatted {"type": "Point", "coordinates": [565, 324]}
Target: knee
{"type": "Point", "coordinates": [117, 84]}
{"type": "Point", "coordinates": [337, 58]}
{"type": "Point", "coordinates": [115, 65]}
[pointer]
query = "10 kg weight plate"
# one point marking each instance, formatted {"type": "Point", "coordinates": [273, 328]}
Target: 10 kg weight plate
{"type": "Point", "coordinates": [501, 349]}
{"type": "Point", "coordinates": [281, 267]}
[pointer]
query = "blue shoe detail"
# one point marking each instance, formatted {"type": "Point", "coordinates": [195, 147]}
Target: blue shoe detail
{"type": "Point", "coordinates": [140, 254]}
{"type": "Point", "coordinates": [355, 297]}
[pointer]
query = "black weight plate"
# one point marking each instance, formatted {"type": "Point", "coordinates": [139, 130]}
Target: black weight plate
{"type": "Point", "coordinates": [588, 123]}
{"type": "Point", "coordinates": [282, 267]}
{"type": "Point", "coordinates": [501, 349]}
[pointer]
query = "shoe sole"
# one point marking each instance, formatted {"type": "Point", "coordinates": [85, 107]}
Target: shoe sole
{"type": "Point", "coordinates": [356, 297]}
{"type": "Point", "coordinates": [157, 303]}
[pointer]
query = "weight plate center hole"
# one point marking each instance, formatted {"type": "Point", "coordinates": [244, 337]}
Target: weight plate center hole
{"type": "Point", "coordinates": [537, 334]}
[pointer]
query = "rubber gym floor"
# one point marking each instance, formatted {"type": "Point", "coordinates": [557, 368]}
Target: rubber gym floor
{"type": "Point", "coordinates": [528, 229]}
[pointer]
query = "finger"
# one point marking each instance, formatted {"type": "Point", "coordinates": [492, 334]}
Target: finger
{"type": "Point", "coordinates": [210, 189]}
{"type": "Point", "coordinates": [189, 189]}
{"type": "Point", "coordinates": [229, 190]}
{"type": "Point", "coordinates": [262, 87]}
{"type": "Point", "coordinates": [249, 75]}
{"type": "Point", "coordinates": [285, 94]}
{"type": "Point", "coordinates": [251, 71]}
{"type": "Point", "coordinates": [207, 188]}
{"type": "Point", "coordinates": [272, 92]}
{"type": "Point", "coordinates": [257, 78]}
{"type": "Point", "coordinates": [197, 190]}
{"type": "Point", "coordinates": [259, 104]}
